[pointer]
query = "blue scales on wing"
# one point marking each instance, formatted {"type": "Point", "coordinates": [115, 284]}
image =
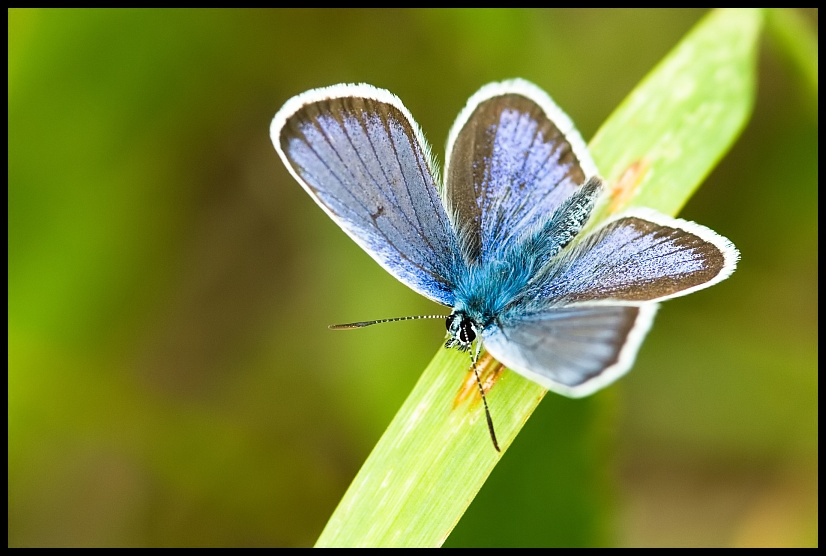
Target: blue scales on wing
{"type": "Point", "coordinates": [364, 161]}
{"type": "Point", "coordinates": [640, 257]}
{"type": "Point", "coordinates": [513, 160]}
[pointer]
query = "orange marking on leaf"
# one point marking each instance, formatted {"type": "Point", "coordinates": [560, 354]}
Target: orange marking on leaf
{"type": "Point", "coordinates": [489, 372]}
{"type": "Point", "coordinates": [622, 191]}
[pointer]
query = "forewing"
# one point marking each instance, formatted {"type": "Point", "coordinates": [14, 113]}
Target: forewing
{"type": "Point", "coordinates": [357, 151]}
{"type": "Point", "coordinates": [513, 157]}
{"type": "Point", "coordinates": [642, 256]}
{"type": "Point", "coordinates": [573, 351]}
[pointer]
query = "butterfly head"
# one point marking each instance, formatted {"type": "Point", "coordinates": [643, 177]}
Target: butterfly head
{"type": "Point", "coordinates": [461, 331]}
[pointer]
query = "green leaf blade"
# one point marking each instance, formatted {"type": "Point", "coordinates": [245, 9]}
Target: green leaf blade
{"type": "Point", "coordinates": [685, 115]}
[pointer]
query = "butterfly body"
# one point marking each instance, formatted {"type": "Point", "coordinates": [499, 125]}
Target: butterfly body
{"type": "Point", "coordinates": [504, 282]}
{"type": "Point", "coordinates": [499, 238]}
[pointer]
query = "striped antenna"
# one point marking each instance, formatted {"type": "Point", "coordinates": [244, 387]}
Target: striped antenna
{"type": "Point", "coordinates": [352, 325]}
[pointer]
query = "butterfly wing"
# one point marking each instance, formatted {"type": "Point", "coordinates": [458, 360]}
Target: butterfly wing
{"type": "Point", "coordinates": [357, 151]}
{"type": "Point", "coordinates": [513, 158]}
{"type": "Point", "coordinates": [579, 326]}
{"type": "Point", "coordinates": [573, 351]}
{"type": "Point", "coordinates": [639, 257]}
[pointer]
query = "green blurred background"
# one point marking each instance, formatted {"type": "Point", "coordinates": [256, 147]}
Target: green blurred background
{"type": "Point", "coordinates": [171, 377]}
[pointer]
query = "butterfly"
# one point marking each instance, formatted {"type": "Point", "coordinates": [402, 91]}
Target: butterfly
{"type": "Point", "coordinates": [497, 237]}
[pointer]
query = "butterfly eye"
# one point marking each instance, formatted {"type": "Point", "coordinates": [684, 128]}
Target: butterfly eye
{"type": "Point", "coordinates": [450, 319]}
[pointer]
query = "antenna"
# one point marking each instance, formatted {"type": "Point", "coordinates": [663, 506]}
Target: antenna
{"type": "Point", "coordinates": [487, 411]}
{"type": "Point", "coordinates": [353, 325]}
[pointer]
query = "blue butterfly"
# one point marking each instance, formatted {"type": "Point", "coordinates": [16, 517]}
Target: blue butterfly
{"type": "Point", "coordinates": [498, 238]}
